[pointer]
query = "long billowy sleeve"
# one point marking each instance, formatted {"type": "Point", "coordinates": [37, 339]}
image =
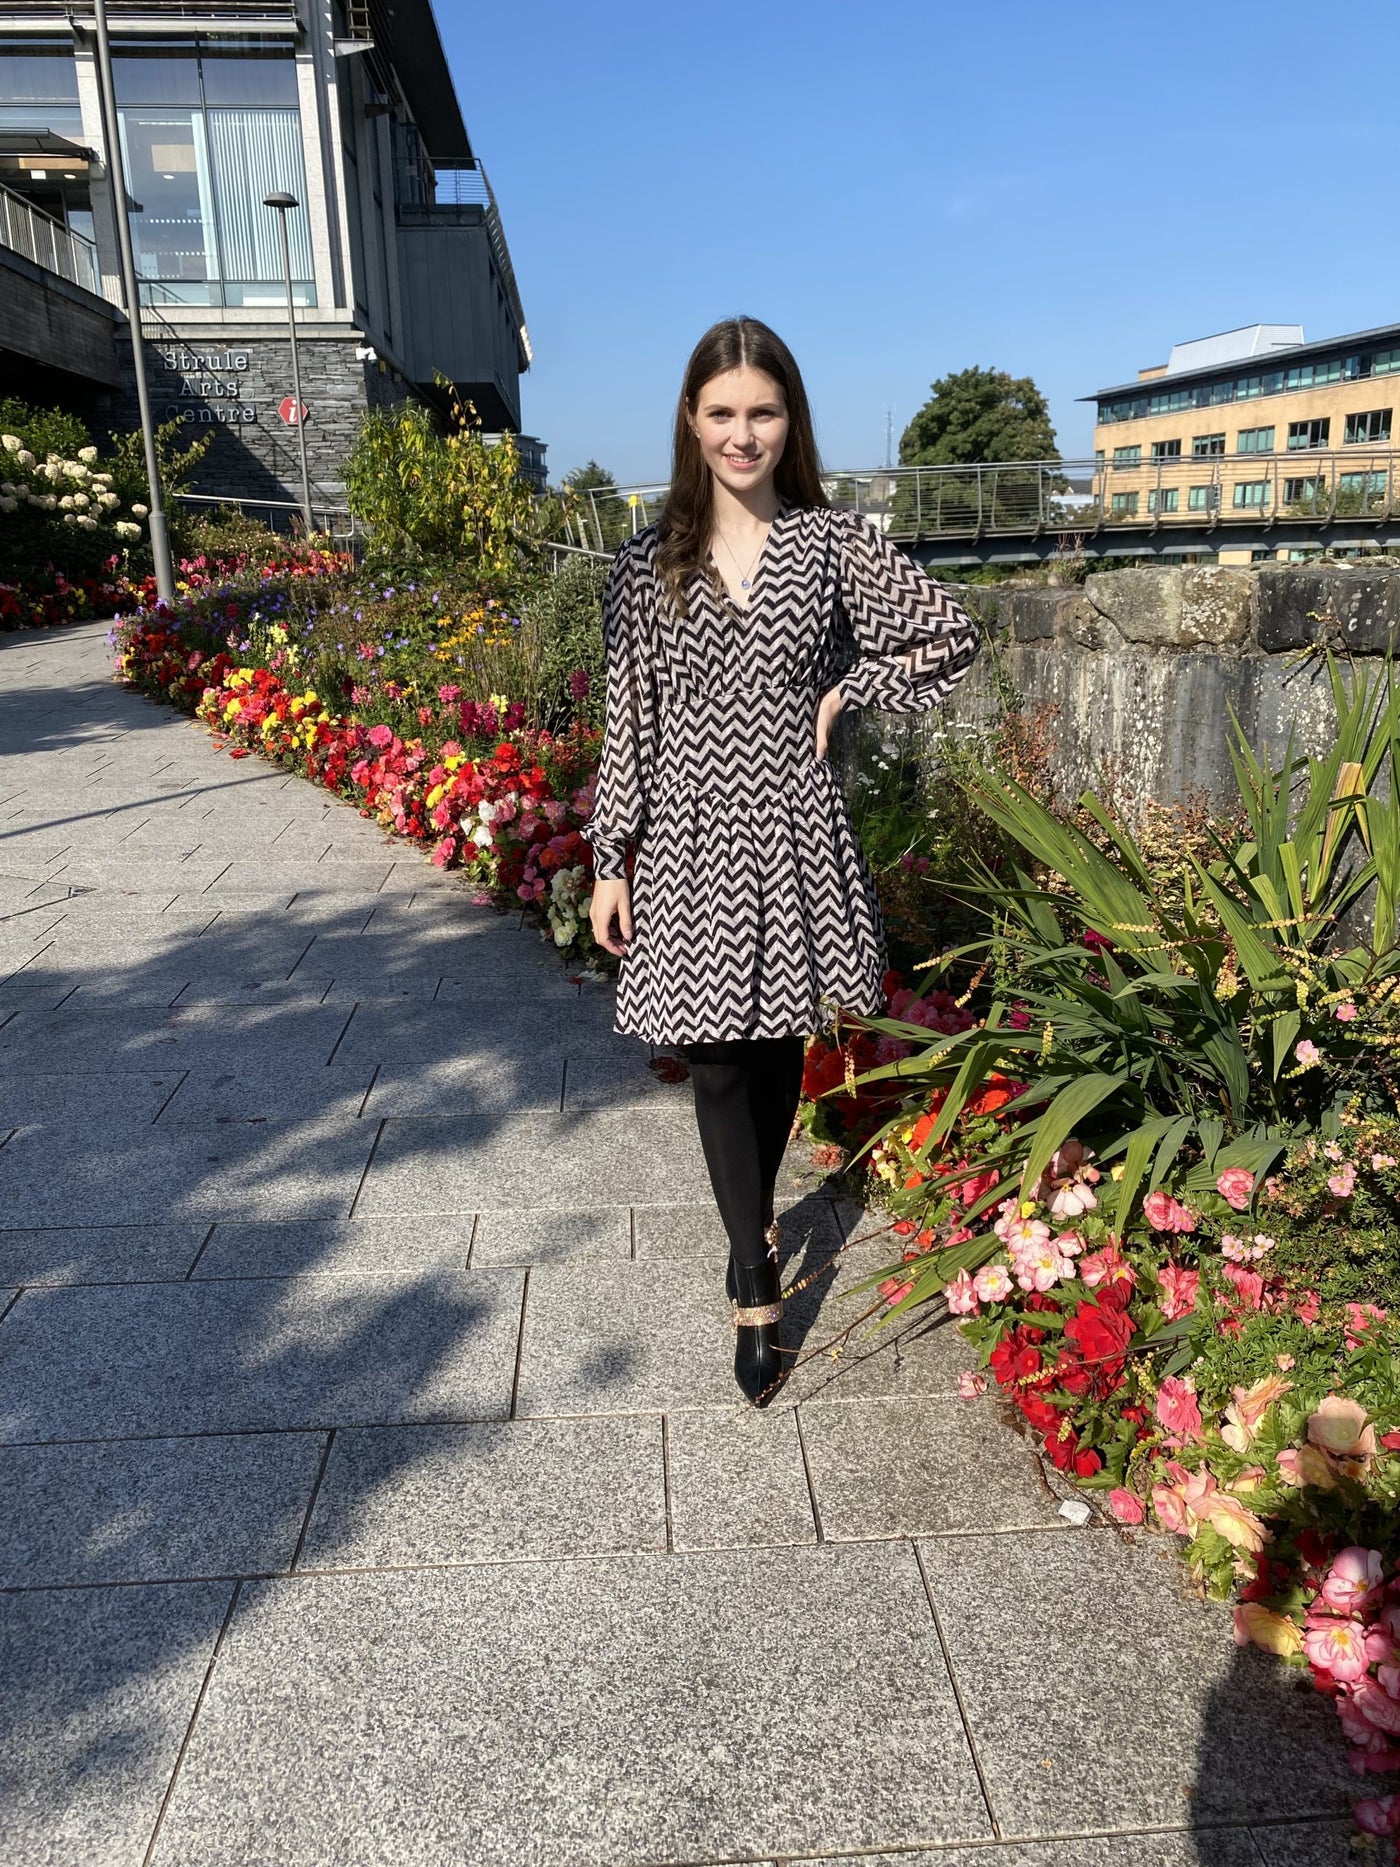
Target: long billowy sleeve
{"type": "Point", "coordinates": [916, 642]}
{"type": "Point", "coordinates": [629, 728]}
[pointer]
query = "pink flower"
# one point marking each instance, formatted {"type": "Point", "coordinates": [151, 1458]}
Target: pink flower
{"type": "Point", "coordinates": [1165, 1214]}
{"type": "Point", "coordinates": [993, 1283]}
{"type": "Point", "coordinates": [1126, 1506]}
{"type": "Point", "coordinates": [1249, 1286]}
{"type": "Point", "coordinates": [1376, 1706]}
{"type": "Point", "coordinates": [1305, 1465]}
{"type": "Point", "coordinates": [380, 736]}
{"type": "Point", "coordinates": [1236, 1523]}
{"type": "Point", "coordinates": [1343, 1184]}
{"type": "Point", "coordinates": [1378, 1815]}
{"type": "Point", "coordinates": [1360, 1317]}
{"type": "Point", "coordinates": [1177, 1409]}
{"type": "Point", "coordinates": [970, 1385]}
{"type": "Point", "coordinates": [1106, 1266]}
{"type": "Point", "coordinates": [1069, 1244]}
{"type": "Point", "coordinates": [1337, 1647]}
{"type": "Point", "coordinates": [1025, 1235]}
{"type": "Point", "coordinates": [961, 1296]}
{"type": "Point", "coordinates": [1345, 1012]}
{"type": "Point", "coordinates": [1308, 1307]}
{"type": "Point", "coordinates": [1180, 1288]}
{"type": "Point", "coordinates": [1236, 1187]}
{"type": "Point", "coordinates": [1171, 1509]}
{"type": "Point", "coordinates": [1307, 1053]}
{"type": "Point", "coordinates": [1379, 1162]}
{"type": "Point", "coordinates": [1040, 1267]}
{"type": "Point", "coordinates": [1353, 1583]}
{"type": "Point", "coordinates": [1341, 1429]}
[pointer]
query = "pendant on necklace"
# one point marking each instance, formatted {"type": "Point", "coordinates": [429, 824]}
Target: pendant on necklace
{"type": "Point", "coordinates": [743, 583]}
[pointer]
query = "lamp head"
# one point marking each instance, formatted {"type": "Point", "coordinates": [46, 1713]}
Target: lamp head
{"type": "Point", "coordinates": [280, 201]}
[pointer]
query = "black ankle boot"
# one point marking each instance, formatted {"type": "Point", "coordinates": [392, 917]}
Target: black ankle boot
{"type": "Point", "coordinates": [758, 1357]}
{"type": "Point", "coordinates": [770, 1233]}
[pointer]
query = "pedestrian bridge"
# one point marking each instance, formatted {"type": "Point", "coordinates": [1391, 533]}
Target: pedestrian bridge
{"type": "Point", "coordinates": [55, 316]}
{"type": "Point", "coordinates": [1028, 511]}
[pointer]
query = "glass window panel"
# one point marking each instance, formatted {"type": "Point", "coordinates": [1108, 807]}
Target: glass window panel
{"type": "Point", "coordinates": [256, 153]}
{"type": "Point", "coordinates": [249, 71]}
{"type": "Point", "coordinates": [168, 171]}
{"type": "Point", "coordinates": [62, 119]}
{"type": "Point", "coordinates": [35, 72]}
{"type": "Point", "coordinates": [162, 73]}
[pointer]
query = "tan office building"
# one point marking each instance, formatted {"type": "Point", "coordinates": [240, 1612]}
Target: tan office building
{"type": "Point", "coordinates": [1254, 425]}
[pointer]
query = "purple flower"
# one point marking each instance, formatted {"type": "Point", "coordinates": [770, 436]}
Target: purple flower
{"type": "Point", "coordinates": [579, 683]}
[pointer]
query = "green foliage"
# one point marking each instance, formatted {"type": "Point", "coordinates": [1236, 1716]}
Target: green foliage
{"type": "Point", "coordinates": [566, 611]}
{"type": "Point", "coordinates": [449, 501]}
{"type": "Point", "coordinates": [1190, 1024]}
{"type": "Point", "coordinates": [590, 497]}
{"type": "Point", "coordinates": [44, 431]}
{"type": "Point", "coordinates": [979, 415]}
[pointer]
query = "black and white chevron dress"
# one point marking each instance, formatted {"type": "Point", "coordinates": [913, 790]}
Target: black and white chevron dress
{"type": "Point", "coordinates": [754, 909]}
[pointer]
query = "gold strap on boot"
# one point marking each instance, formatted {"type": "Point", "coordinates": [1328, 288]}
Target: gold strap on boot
{"type": "Point", "coordinates": [757, 1315]}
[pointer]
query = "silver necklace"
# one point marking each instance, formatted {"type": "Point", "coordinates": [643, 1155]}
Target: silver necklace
{"type": "Point", "coordinates": [745, 578]}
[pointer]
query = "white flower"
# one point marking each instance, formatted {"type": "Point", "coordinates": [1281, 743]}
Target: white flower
{"type": "Point", "coordinates": [67, 502]}
{"type": "Point", "coordinates": [47, 500]}
{"type": "Point", "coordinates": [125, 529]}
{"type": "Point", "coordinates": [140, 511]}
{"type": "Point", "coordinates": [80, 500]}
{"type": "Point", "coordinates": [108, 499]}
{"type": "Point", "coordinates": [70, 518]}
{"type": "Point", "coordinates": [7, 504]}
{"type": "Point", "coordinates": [75, 471]}
{"type": "Point", "coordinates": [24, 457]}
{"type": "Point", "coordinates": [87, 453]}
{"type": "Point", "coordinates": [87, 521]}
{"type": "Point", "coordinates": [11, 443]}
{"type": "Point", "coordinates": [6, 488]}
{"type": "Point", "coordinates": [102, 479]}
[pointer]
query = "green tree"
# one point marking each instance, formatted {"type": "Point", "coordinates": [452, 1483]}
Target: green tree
{"type": "Point", "coordinates": [600, 514]}
{"type": "Point", "coordinates": [979, 415]}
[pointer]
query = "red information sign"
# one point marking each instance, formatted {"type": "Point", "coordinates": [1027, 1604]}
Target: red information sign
{"type": "Point", "coordinates": [292, 412]}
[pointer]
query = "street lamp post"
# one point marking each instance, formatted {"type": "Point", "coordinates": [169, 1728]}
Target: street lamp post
{"type": "Point", "coordinates": [116, 171]}
{"type": "Point", "coordinates": [282, 202]}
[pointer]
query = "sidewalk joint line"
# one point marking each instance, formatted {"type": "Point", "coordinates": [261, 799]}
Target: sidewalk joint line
{"type": "Point", "coordinates": [632, 1234]}
{"type": "Point", "coordinates": [807, 1472]}
{"type": "Point", "coordinates": [374, 1149]}
{"type": "Point", "coordinates": [666, 1483]}
{"type": "Point", "coordinates": [4, 1312]}
{"type": "Point", "coordinates": [563, 1083]}
{"type": "Point", "coordinates": [956, 1689]}
{"type": "Point", "coordinates": [344, 1028]}
{"type": "Point", "coordinates": [302, 955]}
{"type": "Point", "coordinates": [189, 1274]}
{"type": "Point", "coordinates": [364, 1100]}
{"type": "Point", "coordinates": [149, 1855]}
{"type": "Point", "coordinates": [476, 1218]}
{"type": "Point", "coordinates": [311, 1501]}
{"type": "Point", "coordinates": [184, 1077]}
{"type": "Point", "coordinates": [519, 1346]}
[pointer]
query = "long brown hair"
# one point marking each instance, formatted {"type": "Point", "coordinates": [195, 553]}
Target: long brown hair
{"type": "Point", "coordinates": [687, 518]}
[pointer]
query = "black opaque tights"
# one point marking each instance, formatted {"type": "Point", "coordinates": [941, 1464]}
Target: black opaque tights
{"type": "Point", "coordinates": [746, 1094]}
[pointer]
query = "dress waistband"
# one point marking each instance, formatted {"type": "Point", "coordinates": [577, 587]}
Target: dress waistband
{"type": "Point", "coordinates": [700, 687]}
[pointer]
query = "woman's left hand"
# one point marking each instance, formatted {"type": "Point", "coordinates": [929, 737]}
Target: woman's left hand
{"type": "Point", "coordinates": [831, 704]}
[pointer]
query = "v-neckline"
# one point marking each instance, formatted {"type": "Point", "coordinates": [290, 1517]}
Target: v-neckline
{"type": "Point", "coordinates": [743, 609]}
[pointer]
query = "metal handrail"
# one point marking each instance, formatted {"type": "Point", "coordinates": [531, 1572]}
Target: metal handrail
{"type": "Point", "coordinates": [28, 230]}
{"type": "Point", "coordinates": [1036, 498]}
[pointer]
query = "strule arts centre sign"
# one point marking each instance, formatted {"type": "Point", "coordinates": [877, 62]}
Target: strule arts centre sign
{"type": "Point", "coordinates": [211, 387]}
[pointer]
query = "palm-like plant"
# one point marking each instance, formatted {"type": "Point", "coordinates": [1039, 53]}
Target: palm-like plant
{"type": "Point", "coordinates": [1185, 1029]}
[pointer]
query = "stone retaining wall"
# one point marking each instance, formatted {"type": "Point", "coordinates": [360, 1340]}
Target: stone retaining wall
{"type": "Point", "coordinates": [1146, 665]}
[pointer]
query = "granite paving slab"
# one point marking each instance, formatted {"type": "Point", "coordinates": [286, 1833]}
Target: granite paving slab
{"type": "Point", "coordinates": [603, 1156]}
{"type": "Point", "coordinates": [501, 1083]}
{"type": "Point", "coordinates": [534, 1236]}
{"type": "Point", "coordinates": [134, 1039]}
{"type": "Point", "coordinates": [575, 1714]}
{"type": "Point", "coordinates": [100, 1685]}
{"type": "Point", "coordinates": [153, 1510]}
{"type": "Point", "coordinates": [259, 1353]}
{"type": "Point", "coordinates": [481, 1035]}
{"type": "Point", "coordinates": [1230, 1847]}
{"type": "Point", "coordinates": [921, 1466]}
{"type": "Point", "coordinates": [339, 1247]}
{"type": "Point", "coordinates": [621, 1080]}
{"type": "Point", "coordinates": [230, 1097]}
{"type": "Point", "coordinates": [1318, 1844]}
{"type": "Point", "coordinates": [99, 1254]}
{"type": "Point", "coordinates": [537, 1490]}
{"type": "Point", "coordinates": [737, 1480]}
{"type": "Point", "coordinates": [1120, 1702]}
{"type": "Point", "coordinates": [62, 1174]}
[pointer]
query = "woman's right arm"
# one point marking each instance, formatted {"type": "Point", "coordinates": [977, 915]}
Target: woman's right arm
{"type": "Point", "coordinates": [629, 731]}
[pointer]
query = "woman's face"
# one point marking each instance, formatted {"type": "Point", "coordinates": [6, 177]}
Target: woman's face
{"type": "Point", "coordinates": [741, 420]}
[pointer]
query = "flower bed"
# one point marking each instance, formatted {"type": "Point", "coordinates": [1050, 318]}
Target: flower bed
{"type": "Point", "coordinates": [1153, 1170]}
{"type": "Point", "coordinates": [501, 801]}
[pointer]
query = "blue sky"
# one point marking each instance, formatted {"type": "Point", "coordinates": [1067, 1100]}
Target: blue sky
{"type": "Point", "coordinates": [910, 188]}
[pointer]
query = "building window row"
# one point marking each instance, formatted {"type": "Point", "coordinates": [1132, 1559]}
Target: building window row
{"type": "Point", "coordinates": [1246, 388]}
{"type": "Point", "coordinates": [1251, 495]}
{"type": "Point", "coordinates": [1371, 426]}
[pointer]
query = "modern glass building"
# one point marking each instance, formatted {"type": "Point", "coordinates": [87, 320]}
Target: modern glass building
{"type": "Point", "coordinates": [399, 265]}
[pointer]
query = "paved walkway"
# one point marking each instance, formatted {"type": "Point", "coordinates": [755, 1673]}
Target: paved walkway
{"type": "Point", "coordinates": [373, 1488]}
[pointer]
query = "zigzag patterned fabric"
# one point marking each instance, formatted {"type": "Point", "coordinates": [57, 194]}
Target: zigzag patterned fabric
{"type": "Point", "coordinates": [754, 909]}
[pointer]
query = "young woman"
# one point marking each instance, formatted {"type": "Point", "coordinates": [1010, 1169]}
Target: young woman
{"type": "Point", "coordinates": [736, 629]}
